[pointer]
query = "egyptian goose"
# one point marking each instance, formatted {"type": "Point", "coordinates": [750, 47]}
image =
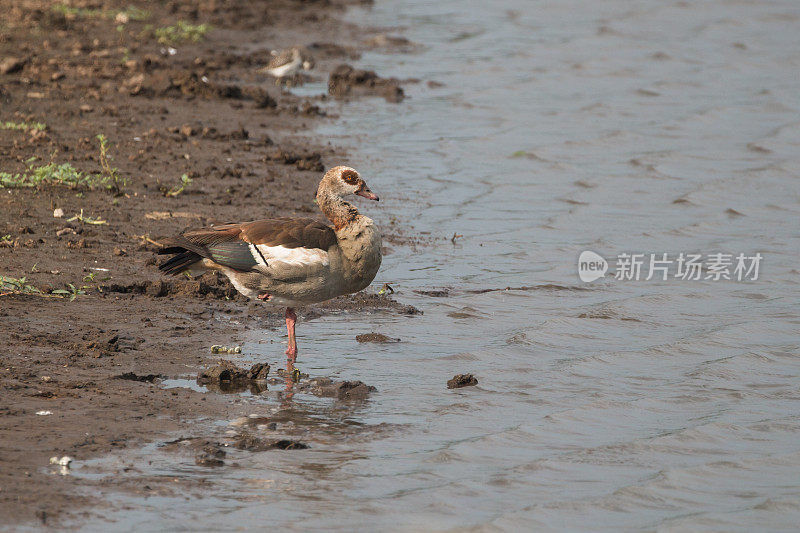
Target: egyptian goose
{"type": "Point", "coordinates": [289, 262]}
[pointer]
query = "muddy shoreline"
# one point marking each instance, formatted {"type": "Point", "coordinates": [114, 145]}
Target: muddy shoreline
{"type": "Point", "coordinates": [167, 109]}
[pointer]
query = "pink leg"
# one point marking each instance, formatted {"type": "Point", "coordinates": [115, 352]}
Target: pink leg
{"type": "Point", "coordinates": [291, 319]}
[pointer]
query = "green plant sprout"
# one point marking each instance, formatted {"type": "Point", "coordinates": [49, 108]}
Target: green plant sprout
{"type": "Point", "coordinates": [175, 191]}
{"type": "Point", "coordinates": [181, 31]}
{"type": "Point", "coordinates": [23, 126]}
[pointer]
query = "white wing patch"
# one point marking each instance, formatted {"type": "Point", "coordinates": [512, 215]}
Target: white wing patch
{"type": "Point", "coordinates": [293, 256]}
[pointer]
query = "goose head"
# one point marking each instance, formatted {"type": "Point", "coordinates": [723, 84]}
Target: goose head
{"type": "Point", "coordinates": [342, 181]}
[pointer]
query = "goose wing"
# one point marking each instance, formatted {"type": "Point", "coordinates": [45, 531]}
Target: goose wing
{"type": "Point", "coordinates": [279, 247]}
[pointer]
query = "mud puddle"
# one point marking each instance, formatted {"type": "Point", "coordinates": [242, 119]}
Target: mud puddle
{"type": "Point", "coordinates": [287, 442]}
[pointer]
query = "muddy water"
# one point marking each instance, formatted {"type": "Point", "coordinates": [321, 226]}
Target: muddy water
{"type": "Point", "coordinates": [663, 127]}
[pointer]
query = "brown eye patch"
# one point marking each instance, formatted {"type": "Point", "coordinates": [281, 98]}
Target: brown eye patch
{"type": "Point", "coordinates": [350, 176]}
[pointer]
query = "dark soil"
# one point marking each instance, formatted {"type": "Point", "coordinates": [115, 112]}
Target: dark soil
{"type": "Point", "coordinates": [96, 360]}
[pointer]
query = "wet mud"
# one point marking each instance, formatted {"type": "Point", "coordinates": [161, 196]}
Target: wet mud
{"type": "Point", "coordinates": [195, 136]}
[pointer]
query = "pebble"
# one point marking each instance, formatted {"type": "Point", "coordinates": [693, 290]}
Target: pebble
{"type": "Point", "coordinates": [218, 348]}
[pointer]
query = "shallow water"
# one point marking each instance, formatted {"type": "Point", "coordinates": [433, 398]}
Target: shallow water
{"type": "Point", "coordinates": [659, 127]}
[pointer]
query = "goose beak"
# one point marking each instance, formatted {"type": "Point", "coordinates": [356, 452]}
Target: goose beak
{"type": "Point", "coordinates": [368, 194]}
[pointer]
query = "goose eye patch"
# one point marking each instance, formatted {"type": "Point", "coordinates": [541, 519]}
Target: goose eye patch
{"type": "Point", "coordinates": [350, 177]}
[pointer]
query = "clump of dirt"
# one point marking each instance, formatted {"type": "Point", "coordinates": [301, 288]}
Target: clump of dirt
{"type": "Point", "coordinates": [288, 444]}
{"type": "Point", "coordinates": [131, 376]}
{"type": "Point", "coordinates": [309, 161]}
{"type": "Point", "coordinates": [435, 293]}
{"type": "Point", "coordinates": [102, 347]}
{"type": "Point", "coordinates": [392, 43]}
{"type": "Point", "coordinates": [296, 375]}
{"type": "Point", "coordinates": [363, 301]}
{"type": "Point", "coordinates": [206, 452]}
{"type": "Point", "coordinates": [342, 390]}
{"type": "Point", "coordinates": [227, 373]}
{"type": "Point", "coordinates": [375, 337]}
{"type": "Point", "coordinates": [251, 443]}
{"type": "Point", "coordinates": [211, 454]}
{"type": "Point", "coordinates": [345, 81]}
{"type": "Point", "coordinates": [461, 380]}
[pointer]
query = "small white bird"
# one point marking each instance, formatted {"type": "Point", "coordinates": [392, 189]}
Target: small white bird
{"type": "Point", "coordinates": [286, 63]}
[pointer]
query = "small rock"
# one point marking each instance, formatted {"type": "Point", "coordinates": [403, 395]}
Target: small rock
{"type": "Point", "coordinates": [144, 378]}
{"type": "Point", "coordinates": [295, 375]}
{"type": "Point", "coordinates": [461, 380]}
{"type": "Point", "coordinates": [259, 372]}
{"type": "Point", "coordinates": [345, 390]}
{"type": "Point", "coordinates": [58, 212]}
{"type": "Point", "coordinates": [375, 337]}
{"type": "Point", "coordinates": [286, 444]}
{"type": "Point", "coordinates": [10, 65]}
{"type": "Point", "coordinates": [120, 252]}
{"type": "Point", "coordinates": [187, 130]}
{"type": "Point", "coordinates": [226, 373]}
{"type": "Point", "coordinates": [64, 231]}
